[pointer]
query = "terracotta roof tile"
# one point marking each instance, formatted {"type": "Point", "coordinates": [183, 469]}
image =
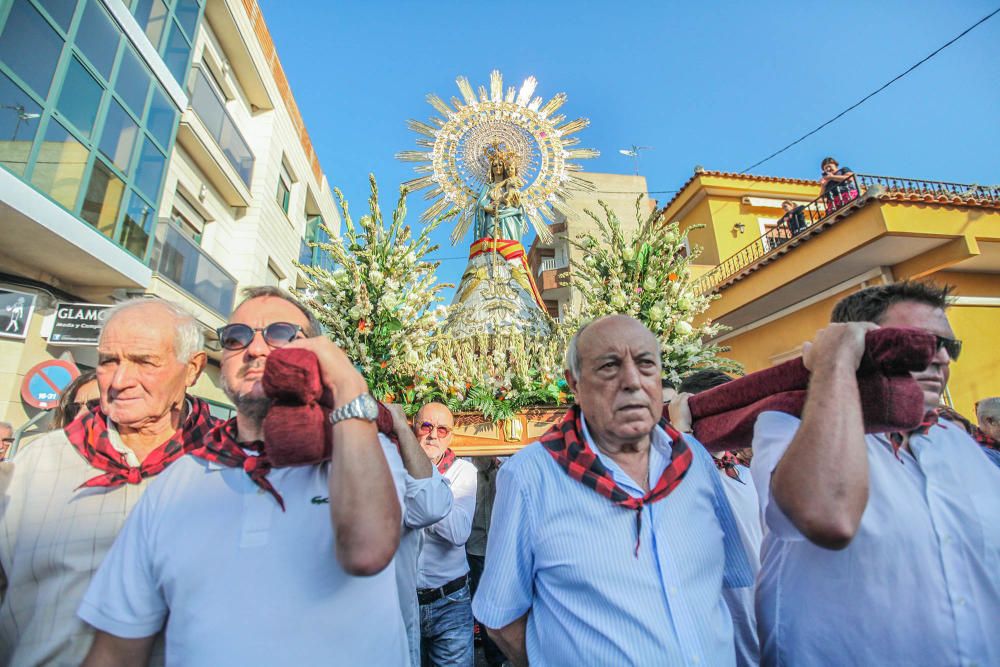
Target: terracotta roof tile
{"type": "Point", "coordinates": [738, 176]}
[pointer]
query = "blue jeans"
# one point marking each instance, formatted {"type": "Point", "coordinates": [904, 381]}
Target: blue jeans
{"type": "Point", "coordinates": [446, 631]}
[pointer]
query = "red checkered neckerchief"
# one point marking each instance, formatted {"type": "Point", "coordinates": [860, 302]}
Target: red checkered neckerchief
{"type": "Point", "coordinates": [727, 462]}
{"type": "Point", "coordinates": [221, 446]}
{"type": "Point", "coordinates": [896, 438]}
{"type": "Point", "coordinates": [90, 436]}
{"type": "Point", "coordinates": [566, 444]}
{"type": "Point", "coordinates": [446, 460]}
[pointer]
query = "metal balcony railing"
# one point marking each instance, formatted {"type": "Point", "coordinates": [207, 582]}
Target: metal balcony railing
{"type": "Point", "coordinates": [803, 217]}
{"type": "Point", "coordinates": [931, 190]}
{"type": "Point", "coordinates": [212, 111]}
{"type": "Point", "coordinates": [182, 262]}
{"type": "Point", "coordinates": [551, 263]}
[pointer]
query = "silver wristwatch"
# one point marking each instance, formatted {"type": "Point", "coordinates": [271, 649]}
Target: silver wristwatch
{"type": "Point", "coordinates": [363, 407]}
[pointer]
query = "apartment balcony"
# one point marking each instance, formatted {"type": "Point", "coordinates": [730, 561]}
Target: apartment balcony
{"type": "Point", "coordinates": [877, 225]}
{"type": "Point", "coordinates": [181, 262]}
{"type": "Point", "coordinates": [209, 134]}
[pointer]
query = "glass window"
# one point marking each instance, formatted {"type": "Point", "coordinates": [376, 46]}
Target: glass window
{"type": "Point", "coordinates": [284, 194]}
{"type": "Point", "coordinates": [80, 97]}
{"type": "Point", "coordinates": [133, 81]}
{"type": "Point", "coordinates": [136, 226]}
{"type": "Point", "coordinates": [177, 53]}
{"type": "Point", "coordinates": [186, 12]}
{"type": "Point", "coordinates": [61, 11]}
{"type": "Point", "coordinates": [152, 16]}
{"type": "Point", "coordinates": [60, 165]}
{"type": "Point", "coordinates": [149, 172]}
{"type": "Point", "coordinates": [162, 117]}
{"type": "Point", "coordinates": [98, 38]}
{"type": "Point", "coordinates": [119, 137]}
{"type": "Point", "coordinates": [19, 117]}
{"type": "Point", "coordinates": [30, 47]}
{"type": "Point", "coordinates": [103, 199]}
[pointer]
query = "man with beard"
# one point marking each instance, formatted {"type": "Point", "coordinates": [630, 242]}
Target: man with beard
{"type": "Point", "coordinates": [246, 564]}
{"type": "Point", "coordinates": [879, 549]}
{"type": "Point", "coordinates": [72, 489]}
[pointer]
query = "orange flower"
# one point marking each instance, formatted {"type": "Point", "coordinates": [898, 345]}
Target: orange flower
{"type": "Point", "coordinates": [389, 397]}
{"type": "Point", "coordinates": [383, 364]}
{"type": "Point", "coordinates": [362, 324]}
{"type": "Point", "coordinates": [672, 277]}
{"type": "Point", "coordinates": [468, 386]}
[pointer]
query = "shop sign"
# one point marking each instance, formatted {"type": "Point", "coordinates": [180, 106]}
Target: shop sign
{"type": "Point", "coordinates": [77, 323]}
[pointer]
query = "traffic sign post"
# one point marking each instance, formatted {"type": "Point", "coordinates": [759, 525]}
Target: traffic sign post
{"type": "Point", "coordinates": [44, 383]}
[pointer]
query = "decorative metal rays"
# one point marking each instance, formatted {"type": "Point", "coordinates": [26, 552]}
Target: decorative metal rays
{"type": "Point", "coordinates": [455, 163]}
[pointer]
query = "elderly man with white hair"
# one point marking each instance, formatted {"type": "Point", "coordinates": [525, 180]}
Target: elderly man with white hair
{"type": "Point", "coordinates": [612, 537]}
{"type": "Point", "coordinates": [72, 489]}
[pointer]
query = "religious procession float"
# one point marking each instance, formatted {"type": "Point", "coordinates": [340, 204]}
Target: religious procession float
{"type": "Point", "coordinates": [499, 162]}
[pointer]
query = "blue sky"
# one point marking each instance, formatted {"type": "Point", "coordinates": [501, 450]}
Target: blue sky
{"type": "Point", "coordinates": [717, 84]}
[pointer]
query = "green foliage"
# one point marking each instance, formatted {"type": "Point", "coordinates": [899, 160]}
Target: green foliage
{"type": "Point", "coordinates": [648, 277]}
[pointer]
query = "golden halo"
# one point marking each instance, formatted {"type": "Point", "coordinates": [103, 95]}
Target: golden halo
{"type": "Point", "coordinates": [455, 166]}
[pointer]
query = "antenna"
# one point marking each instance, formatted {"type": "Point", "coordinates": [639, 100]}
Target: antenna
{"type": "Point", "coordinates": [633, 153]}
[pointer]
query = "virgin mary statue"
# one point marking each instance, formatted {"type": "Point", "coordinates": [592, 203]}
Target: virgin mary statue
{"type": "Point", "coordinates": [497, 293]}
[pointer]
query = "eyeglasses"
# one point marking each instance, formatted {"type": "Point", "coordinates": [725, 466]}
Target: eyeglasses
{"type": "Point", "coordinates": [74, 409]}
{"type": "Point", "coordinates": [952, 346]}
{"type": "Point", "coordinates": [239, 336]}
{"type": "Point", "coordinates": [427, 427]}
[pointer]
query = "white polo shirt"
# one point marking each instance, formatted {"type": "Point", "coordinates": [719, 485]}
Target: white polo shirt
{"type": "Point", "coordinates": [442, 554]}
{"type": "Point", "coordinates": [425, 502]}
{"type": "Point", "coordinates": [237, 581]}
{"type": "Point", "coordinates": [920, 582]}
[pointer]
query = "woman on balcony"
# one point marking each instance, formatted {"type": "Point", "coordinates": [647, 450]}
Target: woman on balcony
{"type": "Point", "coordinates": [838, 184]}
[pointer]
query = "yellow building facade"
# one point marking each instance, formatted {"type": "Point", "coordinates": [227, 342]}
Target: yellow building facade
{"type": "Point", "coordinates": [776, 285]}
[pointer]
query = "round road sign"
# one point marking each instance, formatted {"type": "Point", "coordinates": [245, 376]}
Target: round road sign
{"type": "Point", "coordinates": [44, 383]}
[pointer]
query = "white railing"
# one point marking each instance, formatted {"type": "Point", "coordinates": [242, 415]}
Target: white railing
{"type": "Point", "coordinates": [552, 263]}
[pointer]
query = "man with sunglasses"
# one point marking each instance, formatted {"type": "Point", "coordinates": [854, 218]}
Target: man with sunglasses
{"type": "Point", "coordinates": [442, 569]}
{"type": "Point", "coordinates": [243, 562]}
{"type": "Point", "coordinates": [878, 549]}
{"type": "Point", "coordinates": [73, 488]}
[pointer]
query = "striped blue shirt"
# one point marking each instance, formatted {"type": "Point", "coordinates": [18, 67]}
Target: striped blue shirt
{"type": "Point", "coordinates": [564, 552]}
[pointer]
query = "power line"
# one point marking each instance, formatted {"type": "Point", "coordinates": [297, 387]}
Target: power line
{"type": "Point", "coordinates": [879, 90]}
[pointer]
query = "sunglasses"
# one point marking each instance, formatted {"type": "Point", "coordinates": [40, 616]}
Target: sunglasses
{"type": "Point", "coordinates": [952, 346]}
{"type": "Point", "coordinates": [73, 409]}
{"type": "Point", "coordinates": [239, 336]}
{"type": "Point", "coordinates": [427, 427]}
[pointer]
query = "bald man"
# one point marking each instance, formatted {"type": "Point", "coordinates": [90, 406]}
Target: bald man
{"type": "Point", "coordinates": [612, 537]}
{"type": "Point", "coordinates": [442, 569]}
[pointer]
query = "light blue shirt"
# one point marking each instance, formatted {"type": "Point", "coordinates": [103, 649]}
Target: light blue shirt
{"type": "Point", "coordinates": [742, 496]}
{"type": "Point", "coordinates": [565, 552]}
{"type": "Point", "coordinates": [920, 582]}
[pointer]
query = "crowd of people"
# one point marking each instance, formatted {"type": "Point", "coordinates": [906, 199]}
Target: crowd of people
{"type": "Point", "coordinates": [145, 531]}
